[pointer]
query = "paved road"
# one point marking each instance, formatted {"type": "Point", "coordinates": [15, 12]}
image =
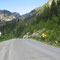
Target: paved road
{"type": "Point", "coordinates": [27, 49]}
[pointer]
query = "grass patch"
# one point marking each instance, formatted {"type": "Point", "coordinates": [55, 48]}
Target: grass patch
{"type": "Point", "coordinates": [48, 42]}
{"type": "Point", "coordinates": [6, 37]}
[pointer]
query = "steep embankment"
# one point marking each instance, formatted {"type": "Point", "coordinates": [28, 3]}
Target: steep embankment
{"type": "Point", "coordinates": [47, 21]}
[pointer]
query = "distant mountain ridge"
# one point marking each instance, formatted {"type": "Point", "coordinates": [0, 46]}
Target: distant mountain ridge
{"type": "Point", "coordinates": [6, 15]}
{"type": "Point", "coordinates": [29, 15]}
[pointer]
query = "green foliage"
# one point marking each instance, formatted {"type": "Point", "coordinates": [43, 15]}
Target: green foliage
{"type": "Point", "coordinates": [19, 28]}
{"type": "Point", "coordinates": [58, 6]}
{"type": "Point", "coordinates": [7, 27]}
{"type": "Point", "coordinates": [6, 37]}
{"type": "Point", "coordinates": [46, 17]}
{"type": "Point", "coordinates": [53, 8]}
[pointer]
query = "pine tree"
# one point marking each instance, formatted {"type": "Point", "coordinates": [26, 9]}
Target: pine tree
{"type": "Point", "coordinates": [58, 10]}
{"type": "Point", "coordinates": [58, 6]}
{"type": "Point", "coordinates": [53, 8]}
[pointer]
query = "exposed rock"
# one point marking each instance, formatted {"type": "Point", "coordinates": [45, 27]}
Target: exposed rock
{"type": "Point", "coordinates": [50, 2]}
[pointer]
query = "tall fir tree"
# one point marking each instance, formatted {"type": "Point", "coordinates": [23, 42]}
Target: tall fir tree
{"type": "Point", "coordinates": [53, 8]}
{"type": "Point", "coordinates": [58, 6]}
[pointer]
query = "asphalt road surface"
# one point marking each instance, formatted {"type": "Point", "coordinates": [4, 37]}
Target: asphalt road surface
{"type": "Point", "coordinates": [27, 49]}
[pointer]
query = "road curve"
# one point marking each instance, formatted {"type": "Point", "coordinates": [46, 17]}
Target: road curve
{"type": "Point", "coordinates": [27, 49]}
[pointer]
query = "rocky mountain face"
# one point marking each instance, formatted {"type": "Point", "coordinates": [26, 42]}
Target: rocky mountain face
{"type": "Point", "coordinates": [39, 10]}
{"type": "Point", "coordinates": [50, 1]}
{"type": "Point", "coordinates": [17, 15]}
{"type": "Point", "coordinates": [29, 15]}
{"type": "Point", "coordinates": [6, 15]}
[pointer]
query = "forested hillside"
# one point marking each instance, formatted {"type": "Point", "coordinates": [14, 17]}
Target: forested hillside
{"type": "Point", "coordinates": [45, 20]}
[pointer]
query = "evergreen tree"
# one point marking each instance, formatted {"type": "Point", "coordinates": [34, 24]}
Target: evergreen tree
{"type": "Point", "coordinates": [58, 10]}
{"type": "Point", "coordinates": [53, 8]}
{"type": "Point", "coordinates": [58, 6]}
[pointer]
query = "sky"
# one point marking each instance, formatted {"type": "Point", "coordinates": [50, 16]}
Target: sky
{"type": "Point", "coordinates": [21, 6]}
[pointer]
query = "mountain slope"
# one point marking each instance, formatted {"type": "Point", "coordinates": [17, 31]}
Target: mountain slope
{"type": "Point", "coordinates": [47, 21]}
{"type": "Point", "coordinates": [6, 15]}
